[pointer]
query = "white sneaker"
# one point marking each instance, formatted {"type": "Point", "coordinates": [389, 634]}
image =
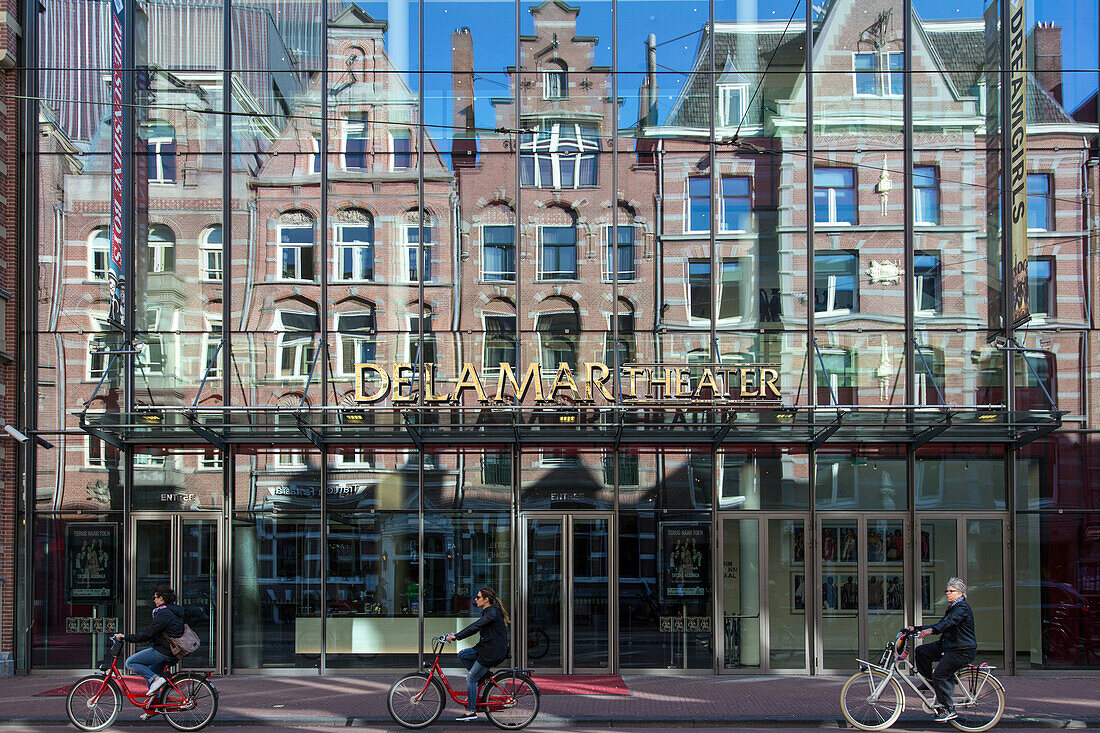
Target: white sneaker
{"type": "Point", "coordinates": [156, 685]}
{"type": "Point", "coordinates": [468, 717]}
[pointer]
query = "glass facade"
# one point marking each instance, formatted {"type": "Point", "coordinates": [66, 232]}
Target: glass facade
{"type": "Point", "coordinates": [344, 311]}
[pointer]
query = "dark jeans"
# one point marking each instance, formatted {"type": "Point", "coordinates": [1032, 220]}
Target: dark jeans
{"type": "Point", "coordinates": [943, 677]}
{"type": "Point", "coordinates": [477, 671]}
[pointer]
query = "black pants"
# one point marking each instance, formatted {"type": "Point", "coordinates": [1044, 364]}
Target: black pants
{"type": "Point", "coordinates": [943, 678]}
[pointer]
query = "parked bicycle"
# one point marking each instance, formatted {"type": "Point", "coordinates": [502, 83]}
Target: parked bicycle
{"type": "Point", "coordinates": [188, 701]}
{"type": "Point", "coordinates": [508, 697]}
{"type": "Point", "coordinates": [873, 698]}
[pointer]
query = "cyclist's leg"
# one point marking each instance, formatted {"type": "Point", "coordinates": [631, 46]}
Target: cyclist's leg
{"type": "Point", "coordinates": [943, 678]}
{"type": "Point", "coordinates": [144, 662]}
{"type": "Point", "coordinates": [926, 655]}
{"type": "Point", "coordinates": [473, 677]}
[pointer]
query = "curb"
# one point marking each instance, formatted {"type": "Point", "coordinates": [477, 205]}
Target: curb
{"type": "Point", "coordinates": [554, 721]}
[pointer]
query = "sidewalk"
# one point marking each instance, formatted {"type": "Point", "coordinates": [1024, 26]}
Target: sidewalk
{"type": "Point", "coordinates": [654, 701]}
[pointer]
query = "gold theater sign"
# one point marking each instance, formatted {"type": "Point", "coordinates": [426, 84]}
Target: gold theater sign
{"type": "Point", "coordinates": [713, 383]}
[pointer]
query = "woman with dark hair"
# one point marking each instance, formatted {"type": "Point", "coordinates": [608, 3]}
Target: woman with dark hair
{"type": "Point", "coordinates": [167, 621]}
{"type": "Point", "coordinates": [491, 648]}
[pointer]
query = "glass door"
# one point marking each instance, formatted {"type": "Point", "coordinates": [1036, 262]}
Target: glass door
{"type": "Point", "coordinates": [567, 589]}
{"type": "Point", "coordinates": [862, 591]}
{"type": "Point", "coordinates": [182, 551]}
{"type": "Point", "coordinates": [786, 602]}
{"type": "Point", "coordinates": [973, 549]}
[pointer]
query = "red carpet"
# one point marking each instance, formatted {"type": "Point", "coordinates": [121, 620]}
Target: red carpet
{"type": "Point", "coordinates": [581, 684]}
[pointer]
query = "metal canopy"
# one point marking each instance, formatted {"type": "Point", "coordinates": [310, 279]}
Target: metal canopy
{"type": "Point", "coordinates": [534, 426]}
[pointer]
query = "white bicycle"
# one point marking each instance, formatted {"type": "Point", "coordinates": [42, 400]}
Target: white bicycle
{"type": "Point", "coordinates": [873, 698]}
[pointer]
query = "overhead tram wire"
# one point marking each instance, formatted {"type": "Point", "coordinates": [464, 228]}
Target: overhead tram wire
{"type": "Point", "coordinates": [767, 68]}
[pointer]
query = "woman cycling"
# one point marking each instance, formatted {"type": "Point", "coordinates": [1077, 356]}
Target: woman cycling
{"type": "Point", "coordinates": [167, 621]}
{"type": "Point", "coordinates": [491, 648]}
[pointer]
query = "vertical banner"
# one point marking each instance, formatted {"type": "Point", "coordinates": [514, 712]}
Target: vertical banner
{"type": "Point", "coordinates": [116, 270]}
{"type": "Point", "coordinates": [1016, 135]}
{"type": "Point", "coordinates": [143, 97]}
{"type": "Point", "coordinates": [685, 561]}
{"type": "Point", "coordinates": [91, 554]}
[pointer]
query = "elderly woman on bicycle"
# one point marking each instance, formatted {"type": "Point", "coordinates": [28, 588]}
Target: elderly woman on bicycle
{"type": "Point", "coordinates": [955, 649]}
{"type": "Point", "coordinates": [491, 648]}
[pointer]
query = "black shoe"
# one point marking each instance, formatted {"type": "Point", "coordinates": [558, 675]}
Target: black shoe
{"type": "Point", "coordinates": [466, 718]}
{"type": "Point", "coordinates": [946, 715]}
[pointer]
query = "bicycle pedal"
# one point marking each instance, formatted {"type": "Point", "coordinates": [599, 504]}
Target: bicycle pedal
{"type": "Point", "coordinates": [147, 716]}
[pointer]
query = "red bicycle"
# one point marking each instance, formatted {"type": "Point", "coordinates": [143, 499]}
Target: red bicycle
{"type": "Point", "coordinates": [187, 700]}
{"type": "Point", "coordinates": [508, 697]}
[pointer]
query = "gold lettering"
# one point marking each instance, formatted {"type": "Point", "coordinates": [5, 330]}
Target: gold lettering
{"type": "Point", "coordinates": [632, 373]}
{"type": "Point", "coordinates": [361, 380]}
{"type": "Point", "coordinates": [707, 380]}
{"type": "Point", "coordinates": [683, 382]}
{"type": "Point", "coordinates": [749, 386]}
{"type": "Point", "coordinates": [468, 379]}
{"type": "Point", "coordinates": [520, 390]}
{"type": "Point", "coordinates": [768, 378]}
{"type": "Point", "coordinates": [400, 381]}
{"type": "Point", "coordinates": [590, 379]}
{"type": "Point", "coordinates": [564, 380]}
{"type": "Point", "coordinates": [429, 385]}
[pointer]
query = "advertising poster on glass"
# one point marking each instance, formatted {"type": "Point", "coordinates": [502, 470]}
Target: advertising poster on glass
{"type": "Point", "coordinates": [92, 563]}
{"type": "Point", "coordinates": [685, 561]}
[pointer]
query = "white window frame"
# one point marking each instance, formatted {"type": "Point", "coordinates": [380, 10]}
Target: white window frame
{"type": "Point", "coordinates": [485, 273]}
{"type": "Point", "coordinates": [158, 250]}
{"type": "Point", "coordinates": [360, 456]}
{"type": "Point", "coordinates": [918, 194]}
{"type": "Point", "coordinates": [212, 251]}
{"type": "Point", "coordinates": [884, 86]}
{"type": "Point", "coordinates": [543, 273]}
{"type": "Point", "coordinates": [359, 123]}
{"type": "Point", "coordinates": [154, 149]}
{"type": "Point", "coordinates": [611, 254]}
{"type": "Point", "coordinates": [146, 460]}
{"type": "Point", "coordinates": [299, 343]}
{"type": "Point", "coordinates": [918, 285]}
{"type": "Point", "coordinates": [411, 260]}
{"type": "Point", "coordinates": [289, 459]}
{"type": "Point", "coordinates": [545, 143]}
{"type": "Point", "coordinates": [355, 338]}
{"type": "Point", "coordinates": [412, 333]}
{"type": "Point", "coordinates": [558, 457]}
{"type": "Point", "coordinates": [487, 366]}
{"type": "Point", "coordinates": [830, 198]}
{"type": "Point", "coordinates": [314, 168]}
{"type": "Point", "coordinates": [95, 274]}
{"type": "Point", "coordinates": [834, 378]}
{"type": "Point", "coordinates": [561, 85]}
{"type": "Point", "coordinates": [166, 334]}
{"type": "Point", "coordinates": [210, 343]}
{"type": "Point", "coordinates": [95, 345]}
{"type": "Point", "coordinates": [210, 460]}
{"type": "Point", "coordinates": [298, 249]}
{"type": "Point", "coordinates": [92, 446]}
{"type": "Point", "coordinates": [724, 225]}
{"type": "Point", "coordinates": [744, 306]}
{"type": "Point", "coordinates": [550, 370]}
{"type": "Point", "coordinates": [406, 134]}
{"type": "Point", "coordinates": [725, 93]}
{"type": "Point", "coordinates": [355, 245]}
{"type": "Point", "coordinates": [1048, 197]}
{"type": "Point", "coordinates": [687, 205]}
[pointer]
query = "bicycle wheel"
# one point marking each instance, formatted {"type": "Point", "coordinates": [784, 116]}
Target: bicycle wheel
{"type": "Point", "coordinates": [511, 700]}
{"type": "Point", "coordinates": [87, 708]}
{"type": "Point", "coordinates": [415, 700]}
{"type": "Point", "coordinates": [866, 713]}
{"type": "Point", "coordinates": [538, 643]}
{"type": "Point", "coordinates": [988, 701]}
{"type": "Point", "coordinates": [194, 706]}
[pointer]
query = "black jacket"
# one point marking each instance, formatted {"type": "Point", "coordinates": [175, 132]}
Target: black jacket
{"type": "Point", "coordinates": [492, 648]}
{"type": "Point", "coordinates": [167, 621]}
{"type": "Point", "coordinates": [956, 627]}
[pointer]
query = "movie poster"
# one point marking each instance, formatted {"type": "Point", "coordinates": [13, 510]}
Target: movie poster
{"type": "Point", "coordinates": [685, 560]}
{"type": "Point", "coordinates": [92, 562]}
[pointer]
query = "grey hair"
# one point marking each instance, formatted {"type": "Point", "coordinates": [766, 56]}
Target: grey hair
{"type": "Point", "coordinates": [959, 585]}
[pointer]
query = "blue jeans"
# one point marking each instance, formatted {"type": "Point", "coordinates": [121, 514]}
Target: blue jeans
{"type": "Point", "coordinates": [144, 661]}
{"type": "Point", "coordinates": [477, 671]}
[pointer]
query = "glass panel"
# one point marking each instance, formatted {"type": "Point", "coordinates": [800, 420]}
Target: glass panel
{"type": "Point", "coordinates": [741, 593]}
{"type": "Point", "coordinates": [276, 590]}
{"type": "Point", "coordinates": [545, 585]}
{"type": "Point", "coordinates": [787, 594]}
{"type": "Point", "coordinates": [840, 595]}
{"type": "Point", "coordinates": [79, 562]}
{"type": "Point", "coordinates": [564, 478]}
{"type": "Point", "coordinates": [885, 579]}
{"type": "Point", "coordinates": [373, 591]}
{"type": "Point", "coordinates": [986, 586]}
{"type": "Point", "coordinates": [863, 480]}
{"type": "Point", "coordinates": [591, 621]}
{"type": "Point", "coordinates": [153, 553]}
{"type": "Point", "coordinates": [1057, 591]}
{"type": "Point", "coordinates": [198, 591]}
{"type": "Point", "coordinates": [939, 562]}
{"type": "Point", "coordinates": [763, 477]}
{"type": "Point", "coordinates": [671, 480]}
{"type": "Point", "coordinates": [665, 592]}
{"type": "Point", "coordinates": [178, 480]}
{"type": "Point", "coordinates": [957, 481]}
